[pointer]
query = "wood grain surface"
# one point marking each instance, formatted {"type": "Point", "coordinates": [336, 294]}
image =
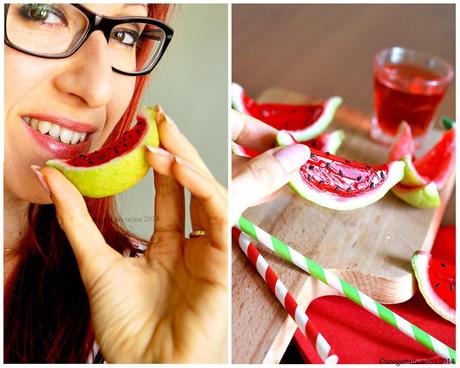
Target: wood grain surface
{"type": "Point", "coordinates": [369, 247]}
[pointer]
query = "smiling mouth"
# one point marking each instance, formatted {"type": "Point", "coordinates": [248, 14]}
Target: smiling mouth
{"type": "Point", "coordinates": [55, 131]}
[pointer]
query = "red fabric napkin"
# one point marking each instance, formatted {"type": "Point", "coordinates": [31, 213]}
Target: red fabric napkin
{"type": "Point", "coordinates": [357, 336]}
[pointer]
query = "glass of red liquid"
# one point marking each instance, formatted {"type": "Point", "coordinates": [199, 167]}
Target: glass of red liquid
{"type": "Point", "coordinates": [408, 86]}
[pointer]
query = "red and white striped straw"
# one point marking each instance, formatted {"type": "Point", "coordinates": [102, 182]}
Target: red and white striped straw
{"type": "Point", "coordinates": [285, 298]}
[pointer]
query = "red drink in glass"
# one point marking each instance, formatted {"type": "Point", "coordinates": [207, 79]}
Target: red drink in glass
{"type": "Point", "coordinates": [406, 98]}
{"type": "Point", "coordinates": [408, 86]}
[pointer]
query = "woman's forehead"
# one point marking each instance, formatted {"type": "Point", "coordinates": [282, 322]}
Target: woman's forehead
{"type": "Point", "coordinates": [119, 10]}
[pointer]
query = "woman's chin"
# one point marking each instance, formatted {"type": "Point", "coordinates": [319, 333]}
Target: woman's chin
{"type": "Point", "coordinates": [42, 201]}
{"type": "Point", "coordinates": [38, 197]}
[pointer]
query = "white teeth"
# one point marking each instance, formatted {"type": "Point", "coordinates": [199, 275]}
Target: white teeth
{"type": "Point", "coordinates": [44, 127]}
{"type": "Point", "coordinates": [66, 135]}
{"type": "Point", "coordinates": [34, 123]}
{"type": "Point", "coordinates": [55, 130]}
{"type": "Point", "coordinates": [75, 137]}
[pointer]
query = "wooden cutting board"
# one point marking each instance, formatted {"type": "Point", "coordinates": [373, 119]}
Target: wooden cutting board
{"type": "Point", "coordinates": [370, 247]}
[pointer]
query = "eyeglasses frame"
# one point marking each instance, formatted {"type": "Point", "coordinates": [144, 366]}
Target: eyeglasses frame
{"type": "Point", "coordinates": [105, 24]}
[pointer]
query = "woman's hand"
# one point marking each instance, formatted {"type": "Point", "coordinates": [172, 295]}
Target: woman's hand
{"type": "Point", "coordinates": [170, 305]}
{"type": "Point", "coordinates": [256, 180]}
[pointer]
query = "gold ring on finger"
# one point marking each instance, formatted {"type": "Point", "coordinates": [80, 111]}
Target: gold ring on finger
{"type": "Point", "coordinates": [197, 233]}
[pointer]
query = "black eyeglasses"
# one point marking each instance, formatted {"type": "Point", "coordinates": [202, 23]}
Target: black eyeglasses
{"type": "Point", "coordinates": [57, 31]}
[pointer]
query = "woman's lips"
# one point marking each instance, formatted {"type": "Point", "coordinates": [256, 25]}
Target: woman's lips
{"type": "Point", "coordinates": [57, 148]}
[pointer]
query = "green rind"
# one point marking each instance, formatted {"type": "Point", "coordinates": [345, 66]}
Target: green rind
{"type": "Point", "coordinates": [331, 106]}
{"type": "Point", "coordinates": [117, 175]}
{"type": "Point", "coordinates": [426, 196]}
{"type": "Point", "coordinates": [448, 123]}
{"type": "Point", "coordinates": [394, 176]}
{"type": "Point", "coordinates": [335, 140]}
{"type": "Point", "coordinates": [411, 176]}
{"type": "Point", "coordinates": [420, 265]}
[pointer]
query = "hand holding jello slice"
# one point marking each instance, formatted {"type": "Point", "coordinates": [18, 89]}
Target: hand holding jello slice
{"type": "Point", "coordinates": [117, 167]}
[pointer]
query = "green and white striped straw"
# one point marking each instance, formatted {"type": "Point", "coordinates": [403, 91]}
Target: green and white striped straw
{"type": "Point", "coordinates": [343, 287]}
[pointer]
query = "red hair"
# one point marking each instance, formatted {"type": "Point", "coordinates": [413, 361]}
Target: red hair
{"type": "Point", "coordinates": [46, 310]}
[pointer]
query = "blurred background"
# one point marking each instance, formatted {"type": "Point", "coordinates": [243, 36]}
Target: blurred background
{"type": "Point", "coordinates": [190, 83]}
{"type": "Point", "coordinates": [326, 50]}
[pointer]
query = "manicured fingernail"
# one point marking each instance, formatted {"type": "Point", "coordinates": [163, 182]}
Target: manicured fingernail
{"type": "Point", "coordinates": [40, 178]}
{"type": "Point", "coordinates": [163, 117]}
{"type": "Point", "coordinates": [158, 151]}
{"type": "Point", "coordinates": [292, 157]}
{"type": "Point", "coordinates": [182, 161]}
{"type": "Point", "coordinates": [186, 164]}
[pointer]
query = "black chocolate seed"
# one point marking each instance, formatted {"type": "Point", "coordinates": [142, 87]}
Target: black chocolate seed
{"type": "Point", "coordinates": [328, 165]}
{"type": "Point", "coordinates": [359, 178]}
{"type": "Point", "coordinates": [336, 188]}
{"type": "Point", "coordinates": [382, 175]}
{"type": "Point", "coordinates": [437, 285]}
{"type": "Point", "coordinates": [349, 190]}
{"type": "Point", "coordinates": [327, 153]}
{"type": "Point", "coordinates": [340, 172]}
{"type": "Point", "coordinates": [347, 161]}
{"type": "Point", "coordinates": [311, 167]}
{"type": "Point", "coordinates": [372, 185]}
{"type": "Point", "coordinates": [312, 155]}
{"type": "Point", "coordinates": [321, 182]}
{"type": "Point", "coordinates": [443, 265]}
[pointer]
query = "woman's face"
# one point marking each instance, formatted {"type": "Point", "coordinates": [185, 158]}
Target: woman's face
{"type": "Point", "coordinates": [78, 97]}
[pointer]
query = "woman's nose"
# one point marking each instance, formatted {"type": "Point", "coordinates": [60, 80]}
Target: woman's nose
{"type": "Point", "coordinates": [88, 73]}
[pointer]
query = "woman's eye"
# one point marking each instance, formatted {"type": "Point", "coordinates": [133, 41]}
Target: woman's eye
{"type": "Point", "coordinates": [43, 13]}
{"type": "Point", "coordinates": [126, 37]}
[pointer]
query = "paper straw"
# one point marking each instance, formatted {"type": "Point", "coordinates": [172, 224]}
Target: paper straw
{"type": "Point", "coordinates": [327, 277]}
{"type": "Point", "coordinates": [285, 298]}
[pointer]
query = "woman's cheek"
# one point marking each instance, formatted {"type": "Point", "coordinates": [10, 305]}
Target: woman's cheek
{"type": "Point", "coordinates": [123, 92]}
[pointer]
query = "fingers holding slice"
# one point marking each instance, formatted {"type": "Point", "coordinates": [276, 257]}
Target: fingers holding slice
{"type": "Point", "coordinates": [169, 205]}
{"type": "Point", "coordinates": [264, 175]}
{"type": "Point", "coordinates": [250, 132]}
{"type": "Point", "coordinates": [210, 196]}
{"type": "Point", "coordinates": [91, 251]}
{"type": "Point", "coordinates": [176, 143]}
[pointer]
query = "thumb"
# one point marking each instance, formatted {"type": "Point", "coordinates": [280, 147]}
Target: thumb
{"type": "Point", "coordinates": [93, 254]}
{"type": "Point", "coordinates": [264, 175]}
